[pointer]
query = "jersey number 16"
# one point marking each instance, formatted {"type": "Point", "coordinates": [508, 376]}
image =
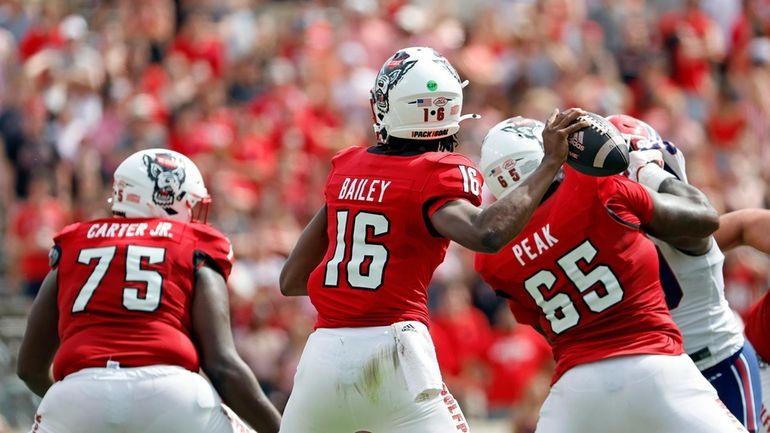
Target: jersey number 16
{"type": "Point", "coordinates": [366, 259]}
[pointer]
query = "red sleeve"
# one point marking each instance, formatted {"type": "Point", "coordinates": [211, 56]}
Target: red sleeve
{"type": "Point", "coordinates": [627, 200]}
{"type": "Point", "coordinates": [54, 254]}
{"type": "Point", "coordinates": [214, 248]}
{"type": "Point", "coordinates": [454, 177]}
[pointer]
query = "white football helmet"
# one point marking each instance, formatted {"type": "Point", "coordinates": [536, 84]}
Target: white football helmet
{"type": "Point", "coordinates": [417, 95]}
{"type": "Point", "coordinates": [510, 152]}
{"type": "Point", "coordinates": [159, 183]}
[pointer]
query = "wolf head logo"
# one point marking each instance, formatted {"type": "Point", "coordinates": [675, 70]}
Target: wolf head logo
{"type": "Point", "coordinates": [390, 74]}
{"type": "Point", "coordinates": [168, 174]}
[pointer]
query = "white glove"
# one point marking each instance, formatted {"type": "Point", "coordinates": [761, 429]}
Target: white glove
{"type": "Point", "coordinates": [673, 158]}
{"type": "Point", "coordinates": [646, 167]}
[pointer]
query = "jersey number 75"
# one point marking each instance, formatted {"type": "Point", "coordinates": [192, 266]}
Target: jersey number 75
{"type": "Point", "coordinates": [135, 255]}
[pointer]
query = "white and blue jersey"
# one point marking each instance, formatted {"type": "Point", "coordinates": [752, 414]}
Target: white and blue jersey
{"type": "Point", "coordinates": [713, 335]}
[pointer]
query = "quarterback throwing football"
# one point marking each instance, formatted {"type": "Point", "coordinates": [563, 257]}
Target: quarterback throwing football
{"type": "Point", "coordinates": [368, 255]}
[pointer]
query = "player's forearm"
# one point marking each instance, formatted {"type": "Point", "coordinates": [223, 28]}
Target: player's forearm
{"type": "Point", "coordinates": [504, 219]}
{"type": "Point", "coordinates": [239, 389]}
{"type": "Point", "coordinates": [744, 227]}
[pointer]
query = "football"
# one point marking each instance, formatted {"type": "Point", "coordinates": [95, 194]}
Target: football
{"type": "Point", "coordinates": [598, 149]}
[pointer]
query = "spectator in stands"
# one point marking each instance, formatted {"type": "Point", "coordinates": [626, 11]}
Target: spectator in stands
{"type": "Point", "coordinates": [516, 356]}
{"type": "Point", "coordinates": [32, 225]}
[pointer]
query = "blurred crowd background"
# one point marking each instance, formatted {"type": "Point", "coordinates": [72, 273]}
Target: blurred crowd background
{"type": "Point", "coordinates": [261, 94]}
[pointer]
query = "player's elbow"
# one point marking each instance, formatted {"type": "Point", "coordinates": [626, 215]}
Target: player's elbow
{"type": "Point", "coordinates": [289, 290]}
{"type": "Point", "coordinates": [30, 375]}
{"type": "Point", "coordinates": [290, 285]}
{"type": "Point", "coordinates": [24, 373]}
{"type": "Point", "coordinates": [706, 224]}
{"type": "Point", "coordinates": [228, 374]}
{"type": "Point", "coordinates": [490, 242]}
{"type": "Point", "coordinates": [223, 375]}
{"type": "Point", "coordinates": [487, 241]}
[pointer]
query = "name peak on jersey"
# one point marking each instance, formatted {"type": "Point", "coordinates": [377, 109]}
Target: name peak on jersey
{"type": "Point", "coordinates": [542, 242]}
{"type": "Point", "coordinates": [363, 189]}
{"type": "Point", "coordinates": [161, 229]}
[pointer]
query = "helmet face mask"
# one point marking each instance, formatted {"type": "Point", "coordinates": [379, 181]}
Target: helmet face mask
{"type": "Point", "coordinates": [417, 95]}
{"type": "Point", "coordinates": [510, 152]}
{"type": "Point", "coordinates": [160, 183]}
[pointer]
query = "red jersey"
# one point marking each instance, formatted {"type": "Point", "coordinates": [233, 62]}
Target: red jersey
{"type": "Point", "coordinates": [382, 248]}
{"type": "Point", "coordinates": [757, 322]}
{"type": "Point", "coordinates": [584, 273]}
{"type": "Point", "coordinates": [126, 288]}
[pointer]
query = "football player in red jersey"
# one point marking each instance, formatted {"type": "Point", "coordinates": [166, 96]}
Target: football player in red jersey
{"type": "Point", "coordinates": [130, 311]}
{"type": "Point", "coordinates": [368, 255]}
{"type": "Point", "coordinates": [580, 272]}
{"type": "Point", "coordinates": [751, 227]}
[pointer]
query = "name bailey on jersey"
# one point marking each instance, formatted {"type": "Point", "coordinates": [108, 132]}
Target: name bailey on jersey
{"type": "Point", "coordinates": [161, 229]}
{"type": "Point", "coordinates": [363, 189]}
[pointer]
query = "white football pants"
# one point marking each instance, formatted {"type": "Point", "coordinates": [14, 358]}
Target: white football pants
{"type": "Point", "coordinates": [350, 380]}
{"type": "Point", "coordinates": [153, 399]}
{"type": "Point", "coordinates": [635, 394]}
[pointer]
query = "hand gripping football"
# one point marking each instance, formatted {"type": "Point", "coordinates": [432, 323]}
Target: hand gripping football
{"type": "Point", "coordinates": [598, 149]}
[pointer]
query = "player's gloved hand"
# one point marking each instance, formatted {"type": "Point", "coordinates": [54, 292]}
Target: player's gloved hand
{"type": "Point", "coordinates": [673, 158]}
{"type": "Point", "coordinates": [646, 167]}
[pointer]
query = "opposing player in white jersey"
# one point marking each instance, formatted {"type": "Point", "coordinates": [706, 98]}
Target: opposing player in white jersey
{"type": "Point", "coordinates": [751, 227]}
{"type": "Point", "coordinates": [694, 286]}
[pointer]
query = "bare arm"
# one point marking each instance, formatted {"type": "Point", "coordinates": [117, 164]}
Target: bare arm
{"type": "Point", "coordinates": [229, 374]}
{"type": "Point", "coordinates": [489, 230]}
{"type": "Point", "coordinates": [305, 256]}
{"type": "Point", "coordinates": [683, 217]}
{"type": "Point", "coordinates": [744, 227]}
{"type": "Point", "coordinates": [41, 339]}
